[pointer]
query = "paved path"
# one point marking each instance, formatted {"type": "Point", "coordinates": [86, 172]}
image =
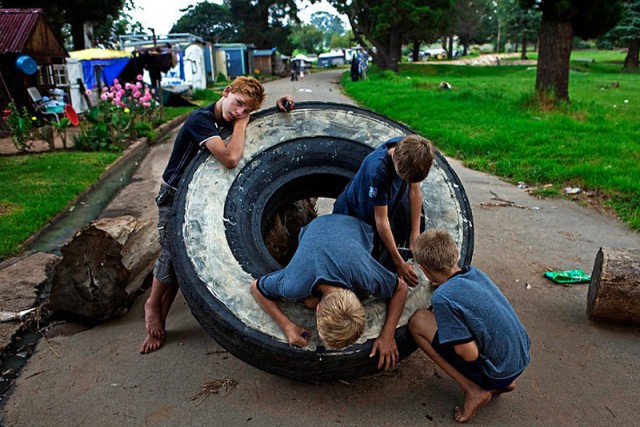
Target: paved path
{"type": "Point", "coordinates": [582, 373]}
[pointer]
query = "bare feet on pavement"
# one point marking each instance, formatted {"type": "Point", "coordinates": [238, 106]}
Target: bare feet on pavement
{"type": "Point", "coordinates": [151, 344]}
{"type": "Point", "coordinates": [153, 320]}
{"type": "Point", "coordinates": [472, 402]}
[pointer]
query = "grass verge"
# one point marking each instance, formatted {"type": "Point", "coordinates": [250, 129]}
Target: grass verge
{"type": "Point", "coordinates": [491, 121]}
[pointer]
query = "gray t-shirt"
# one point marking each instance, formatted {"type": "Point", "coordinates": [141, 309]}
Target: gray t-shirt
{"type": "Point", "coordinates": [335, 250]}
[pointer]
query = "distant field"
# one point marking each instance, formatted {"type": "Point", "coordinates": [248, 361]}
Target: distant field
{"type": "Point", "coordinates": [490, 121]}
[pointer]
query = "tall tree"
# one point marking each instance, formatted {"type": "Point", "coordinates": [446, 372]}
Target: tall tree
{"type": "Point", "coordinates": [387, 24]}
{"type": "Point", "coordinates": [470, 22]}
{"type": "Point", "coordinates": [106, 33]}
{"type": "Point", "coordinates": [265, 23]}
{"type": "Point", "coordinates": [213, 22]}
{"type": "Point", "coordinates": [306, 38]}
{"type": "Point", "coordinates": [561, 21]}
{"type": "Point", "coordinates": [627, 32]}
{"type": "Point", "coordinates": [519, 24]}
{"type": "Point", "coordinates": [75, 13]}
{"type": "Point", "coordinates": [329, 24]}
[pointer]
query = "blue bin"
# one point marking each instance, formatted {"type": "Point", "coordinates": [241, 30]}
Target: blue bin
{"type": "Point", "coordinates": [26, 64]}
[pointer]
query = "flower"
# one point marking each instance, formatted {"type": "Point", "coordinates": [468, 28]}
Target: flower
{"type": "Point", "coordinates": [126, 110]}
{"type": "Point", "coordinates": [88, 92]}
{"type": "Point", "coordinates": [34, 118]}
{"type": "Point", "coordinates": [139, 77]}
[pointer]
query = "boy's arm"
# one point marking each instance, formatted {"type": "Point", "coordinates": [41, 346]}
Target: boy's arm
{"type": "Point", "coordinates": [386, 341]}
{"type": "Point", "coordinates": [296, 335]}
{"type": "Point", "coordinates": [404, 269]}
{"type": "Point", "coordinates": [468, 351]}
{"type": "Point", "coordinates": [229, 154]}
{"type": "Point", "coordinates": [415, 209]}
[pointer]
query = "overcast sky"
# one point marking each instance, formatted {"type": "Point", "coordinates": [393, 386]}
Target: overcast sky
{"type": "Point", "coordinates": [162, 15]}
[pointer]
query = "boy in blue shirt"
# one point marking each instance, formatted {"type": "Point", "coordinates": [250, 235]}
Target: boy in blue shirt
{"type": "Point", "coordinates": [472, 334]}
{"type": "Point", "coordinates": [330, 272]}
{"type": "Point", "coordinates": [377, 188]}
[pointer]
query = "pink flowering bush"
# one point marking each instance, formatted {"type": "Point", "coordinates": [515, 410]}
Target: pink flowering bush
{"type": "Point", "coordinates": [124, 113]}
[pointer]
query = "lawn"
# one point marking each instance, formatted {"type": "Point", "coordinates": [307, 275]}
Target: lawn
{"type": "Point", "coordinates": [490, 121]}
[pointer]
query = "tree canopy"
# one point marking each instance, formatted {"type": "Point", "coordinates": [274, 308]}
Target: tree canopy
{"type": "Point", "coordinates": [387, 24]}
{"type": "Point", "coordinates": [211, 21]}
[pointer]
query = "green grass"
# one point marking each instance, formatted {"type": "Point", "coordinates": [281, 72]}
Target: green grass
{"type": "Point", "coordinates": [490, 121]}
{"type": "Point", "coordinates": [35, 187]}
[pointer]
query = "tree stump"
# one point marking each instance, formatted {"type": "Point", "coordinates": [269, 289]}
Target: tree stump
{"type": "Point", "coordinates": [614, 291]}
{"type": "Point", "coordinates": [103, 266]}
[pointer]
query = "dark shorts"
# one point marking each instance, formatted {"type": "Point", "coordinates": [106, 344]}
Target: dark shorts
{"type": "Point", "coordinates": [163, 269]}
{"type": "Point", "coordinates": [471, 370]}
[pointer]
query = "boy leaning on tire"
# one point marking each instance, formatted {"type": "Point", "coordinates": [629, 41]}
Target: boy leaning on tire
{"type": "Point", "coordinates": [201, 131]}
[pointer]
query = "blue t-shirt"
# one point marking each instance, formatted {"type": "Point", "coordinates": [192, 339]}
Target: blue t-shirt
{"type": "Point", "coordinates": [335, 250]}
{"type": "Point", "coordinates": [470, 306]}
{"type": "Point", "coordinates": [200, 126]}
{"type": "Point", "coordinates": [375, 184]}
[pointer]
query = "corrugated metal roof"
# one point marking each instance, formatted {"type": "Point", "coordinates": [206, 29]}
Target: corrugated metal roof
{"type": "Point", "coordinates": [16, 27]}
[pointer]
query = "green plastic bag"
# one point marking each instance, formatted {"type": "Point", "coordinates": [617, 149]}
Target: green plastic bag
{"type": "Point", "coordinates": [568, 276]}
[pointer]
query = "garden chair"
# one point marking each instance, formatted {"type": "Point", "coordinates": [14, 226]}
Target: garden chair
{"type": "Point", "coordinates": [39, 105]}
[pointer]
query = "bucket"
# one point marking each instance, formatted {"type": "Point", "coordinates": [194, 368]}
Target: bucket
{"type": "Point", "coordinates": [26, 64]}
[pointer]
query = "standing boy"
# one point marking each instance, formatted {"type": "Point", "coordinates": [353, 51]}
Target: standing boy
{"type": "Point", "coordinates": [377, 189]}
{"type": "Point", "coordinates": [472, 334]}
{"type": "Point", "coordinates": [201, 131]}
{"type": "Point", "coordinates": [329, 272]}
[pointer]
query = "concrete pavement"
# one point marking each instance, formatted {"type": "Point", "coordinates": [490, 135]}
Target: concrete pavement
{"type": "Point", "coordinates": [582, 372]}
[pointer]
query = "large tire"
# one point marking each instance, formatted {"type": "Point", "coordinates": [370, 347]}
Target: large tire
{"type": "Point", "coordinates": [220, 217]}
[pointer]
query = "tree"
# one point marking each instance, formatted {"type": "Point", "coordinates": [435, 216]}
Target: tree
{"type": "Point", "coordinates": [106, 33]}
{"type": "Point", "coordinates": [469, 23]}
{"type": "Point", "coordinates": [306, 38]}
{"type": "Point", "coordinates": [627, 32]}
{"type": "Point", "coordinates": [265, 23]}
{"type": "Point", "coordinates": [387, 24]}
{"type": "Point", "coordinates": [75, 13]}
{"type": "Point", "coordinates": [561, 21]}
{"type": "Point", "coordinates": [212, 22]}
{"type": "Point", "coordinates": [330, 25]}
{"type": "Point", "coordinates": [519, 24]}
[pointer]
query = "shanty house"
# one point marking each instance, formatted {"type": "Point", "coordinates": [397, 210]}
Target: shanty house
{"type": "Point", "coordinates": [31, 55]}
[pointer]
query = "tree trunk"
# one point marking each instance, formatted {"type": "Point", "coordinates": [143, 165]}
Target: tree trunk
{"type": "Point", "coordinates": [614, 291]}
{"type": "Point", "coordinates": [523, 55]}
{"type": "Point", "coordinates": [415, 51]}
{"type": "Point", "coordinates": [103, 266]}
{"type": "Point", "coordinates": [552, 77]}
{"type": "Point", "coordinates": [631, 60]}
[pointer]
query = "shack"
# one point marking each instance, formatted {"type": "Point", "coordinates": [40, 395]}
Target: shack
{"type": "Point", "coordinates": [31, 55]}
{"type": "Point", "coordinates": [239, 58]}
{"type": "Point", "coordinates": [263, 60]}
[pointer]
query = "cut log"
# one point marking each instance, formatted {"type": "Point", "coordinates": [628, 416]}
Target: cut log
{"type": "Point", "coordinates": [103, 266]}
{"type": "Point", "coordinates": [614, 291]}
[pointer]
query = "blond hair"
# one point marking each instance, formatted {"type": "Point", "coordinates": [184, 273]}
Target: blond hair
{"type": "Point", "coordinates": [435, 250]}
{"type": "Point", "coordinates": [251, 87]}
{"type": "Point", "coordinates": [340, 319]}
{"type": "Point", "coordinates": [413, 157]}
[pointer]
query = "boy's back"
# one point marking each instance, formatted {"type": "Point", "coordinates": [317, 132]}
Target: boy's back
{"type": "Point", "coordinates": [470, 305]}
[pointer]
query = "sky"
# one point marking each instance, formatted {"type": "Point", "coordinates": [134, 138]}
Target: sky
{"type": "Point", "coordinates": [151, 15]}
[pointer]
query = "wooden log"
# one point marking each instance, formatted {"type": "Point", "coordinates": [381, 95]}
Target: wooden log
{"type": "Point", "coordinates": [103, 266]}
{"type": "Point", "coordinates": [614, 291]}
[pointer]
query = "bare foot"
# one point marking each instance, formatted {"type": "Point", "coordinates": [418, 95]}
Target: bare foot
{"type": "Point", "coordinates": [153, 320]}
{"type": "Point", "coordinates": [507, 389]}
{"type": "Point", "coordinates": [151, 344]}
{"type": "Point", "coordinates": [472, 402]}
